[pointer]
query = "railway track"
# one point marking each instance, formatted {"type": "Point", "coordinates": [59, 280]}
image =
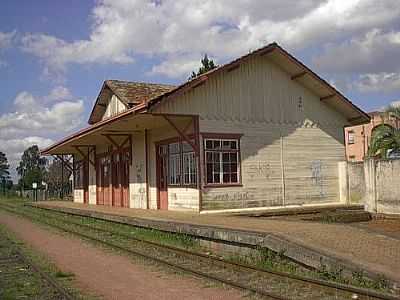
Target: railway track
{"type": "Point", "coordinates": [269, 284]}
{"type": "Point", "coordinates": [21, 278]}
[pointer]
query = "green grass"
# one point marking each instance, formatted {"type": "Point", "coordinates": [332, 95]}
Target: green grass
{"type": "Point", "coordinates": [34, 286]}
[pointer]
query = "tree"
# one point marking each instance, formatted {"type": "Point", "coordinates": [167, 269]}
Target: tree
{"type": "Point", "coordinates": [32, 167]}
{"type": "Point", "coordinates": [5, 179]}
{"type": "Point", "coordinates": [385, 139]}
{"type": "Point", "coordinates": [55, 179]}
{"type": "Point", "coordinates": [4, 167]}
{"type": "Point", "coordinates": [206, 65]}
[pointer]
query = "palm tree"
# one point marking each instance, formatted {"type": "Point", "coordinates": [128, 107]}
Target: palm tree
{"type": "Point", "coordinates": [385, 138]}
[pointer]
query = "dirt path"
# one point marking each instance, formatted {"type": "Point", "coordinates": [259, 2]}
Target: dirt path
{"type": "Point", "coordinates": [110, 275]}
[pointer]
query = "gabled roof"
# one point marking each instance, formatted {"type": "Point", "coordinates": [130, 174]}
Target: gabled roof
{"type": "Point", "coordinates": [297, 71]}
{"type": "Point", "coordinates": [130, 93]}
{"type": "Point", "coordinates": [153, 94]}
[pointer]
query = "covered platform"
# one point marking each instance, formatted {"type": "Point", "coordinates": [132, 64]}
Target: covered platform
{"type": "Point", "coordinates": [341, 245]}
{"type": "Point", "coordinates": [119, 161]}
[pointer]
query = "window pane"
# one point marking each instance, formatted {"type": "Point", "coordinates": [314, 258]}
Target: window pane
{"type": "Point", "coordinates": [209, 157]}
{"type": "Point", "coordinates": [227, 178]}
{"type": "Point", "coordinates": [174, 168]}
{"type": "Point", "coordinates": [216, 144]}
{"type": "Point", "coordinates": [234, 178]}
{"type": "Point", "coordinates": [186, 147]}
{"type": "Point", "coordinates": [226, 167]}
{"type": "Point", "coordinates": [189, 168]}
{"type": "Point", "coordinates": [174, 148]}
{"type": "Point", "coordinates": [216, 178]}
{"type": "Point", "coordinates": [210, 173]}
{"type": "Point", "coordinates": [209, 144]}
{"type": "Point", "coordinates": [233, 157]}
{"type": "Point", "coordinates": [226, 145]}
{"type": "Point", "coordinates": [225, 157]}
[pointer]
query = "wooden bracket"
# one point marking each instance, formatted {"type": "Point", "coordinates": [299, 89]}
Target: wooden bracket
{"type": "Point", "coordinates": [295, 76]}
{"type": "Point", "coordinates": [120, 146]}
{"type": "Point", "coordinates": [86, 156]}
{"type": "Point", "coordinates": [67, 162]}
{"type": "Point", "coordinates": [327, 97]}
{"type": "Point", "coordinates": [195, 145]}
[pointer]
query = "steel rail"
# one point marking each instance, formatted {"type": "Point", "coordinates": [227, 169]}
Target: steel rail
{"type": "Point", "coordinates": [21, 257]}
{"type": "Point", "coordinates": [343, 287]}
{"type": "Point", "coordinates": [326, 284]}
{"type": "Point", "coordinates": [171, 265]}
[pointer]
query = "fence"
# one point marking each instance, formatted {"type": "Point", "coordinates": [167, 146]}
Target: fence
{"type": "Point", "coordinates": [375, 183]}
{"type": "Point", "coordinates": [48, 194]}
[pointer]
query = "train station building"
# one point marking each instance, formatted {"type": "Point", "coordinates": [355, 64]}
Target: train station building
{"type": "Point", "coordinates": [260, 132]}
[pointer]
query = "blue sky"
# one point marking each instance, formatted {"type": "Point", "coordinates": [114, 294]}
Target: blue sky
{"type": "Point", "coordinates": [54, 55]}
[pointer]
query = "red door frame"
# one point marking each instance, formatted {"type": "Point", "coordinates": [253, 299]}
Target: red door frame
{"type": "Point", "coordinates": [113, 186]}
{"type": "Point", "coordinates": [103, 180]}
{"type": "Point", "coordinates": [162, 177]}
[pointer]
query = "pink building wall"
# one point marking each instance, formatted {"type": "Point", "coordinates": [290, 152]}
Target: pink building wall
{"type": "Point", "coordinates": [357, 138]}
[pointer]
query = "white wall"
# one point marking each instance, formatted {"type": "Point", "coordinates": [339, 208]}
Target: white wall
{"type": "Point", "coordinates": [137, 172]}
{"type": "Point", "coordinates": [291, 144]}
{"type": "Point", "coordinates": [114, 107]}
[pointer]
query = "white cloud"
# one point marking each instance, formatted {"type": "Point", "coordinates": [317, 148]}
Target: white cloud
{"type": "Point", "coordinates": [35, 119]}
{"type": "Point", "coordinates": [375, 52]}
{"type": "Point", "coordinates": [176, 67]}
{"type": "Point", "coordinates": [6, 40]}
{"type": "Point", "coordinates": [380, 82]}
{"type": "Point", "coordinates": [178, 31]}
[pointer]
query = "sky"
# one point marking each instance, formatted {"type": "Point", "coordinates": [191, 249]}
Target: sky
{"type": "Point", "coordinates": [54, 54]}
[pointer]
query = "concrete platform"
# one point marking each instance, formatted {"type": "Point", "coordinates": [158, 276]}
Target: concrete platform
{"type": "Point", "coordinates": [314, 244]}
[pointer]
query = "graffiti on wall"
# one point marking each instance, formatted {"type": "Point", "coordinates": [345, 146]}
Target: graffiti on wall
{"type": "Point", "coordinates": [316, 175]}
{"type": "Point", "coordinates": [260, 169]}
{"type": "Point", "coordinates": [139, 172]}
{"type": "Point", "coordinates": [232, 196]}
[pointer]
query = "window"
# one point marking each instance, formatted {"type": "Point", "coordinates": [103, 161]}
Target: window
{"type": "Point", "coordinates": [222, 161]}
{"type": "Point", "coordinates": [182, 164]}
{"type": "Point", "coordinates": [174, 162]}
{"type": "Point", "coordinates": [189, 166]}
{"type": "Point", "coordinates": [350, 137]}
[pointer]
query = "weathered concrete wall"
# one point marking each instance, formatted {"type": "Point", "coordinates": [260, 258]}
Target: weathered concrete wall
{"type": "Point", "coordinates": [356, 182]}
{"type": "Point", "coordinates": [92, 181]}
{"type": "Point", "coordinates": [376, 184]}
{"type": "Point", "coordinates": [388, 186]}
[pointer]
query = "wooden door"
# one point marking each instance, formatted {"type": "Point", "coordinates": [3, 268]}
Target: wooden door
{"type": "Point", "coordinates": [116, 180]}
{"type": "Point", "coordinates": [125, 163]}
{"type": "Point", "coordinates": [103, 180]}
{"type": "Point", "coordinates": [162, 176]}
{"type": "Point", "coordinates": [106, 174]}
{"type": "Point", "coordinates": [120, 178]}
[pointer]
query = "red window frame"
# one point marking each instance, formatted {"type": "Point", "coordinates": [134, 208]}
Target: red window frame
{"type": "Point", "coordinates": [181, 171]}
{"type": "Point", "coordinates": [221, 153]}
